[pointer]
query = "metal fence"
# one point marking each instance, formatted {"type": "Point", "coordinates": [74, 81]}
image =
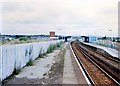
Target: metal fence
{"type": "Point", "coordinates": [107, 43]}
{"type": "Point", "coordinates": [16, 56]}
{"type": "Point", "coordinates": [118, 46]}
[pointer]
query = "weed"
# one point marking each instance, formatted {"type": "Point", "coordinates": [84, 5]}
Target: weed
{"type": "Point", "coordinates": [51, 48]}
{"type": "Point", "coordinates": [40, 56]}
{"type": "Point", "coordinates": [30, 63]}
{"type": "Point", "coordinates": [16, 71]}
{"type": "Point", "coordinates": [23, 39]}
{"type": "Point", "coordinates": [58, 44]}
{"type": "Point", "coordinates": [44, 53]}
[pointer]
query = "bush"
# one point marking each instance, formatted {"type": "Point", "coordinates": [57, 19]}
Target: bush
{"type": "Point", "coordinates": [23, 39]}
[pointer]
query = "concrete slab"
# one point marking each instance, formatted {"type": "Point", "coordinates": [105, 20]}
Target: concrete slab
{"type": "Point", "coordinates": [81, 77]}
{"type": "Point", "coordinates": [40, 67]}
{"type": "Point", "coordinates": [66, 64]}
{"type": "Point", "coordinates": [111, 51]}
{"type": "Point", "coordinates": [69, 76]}
{"type": "Point", "coordinates": [68, 69]}
{"type": "Point", "coordinates": [69, 80]}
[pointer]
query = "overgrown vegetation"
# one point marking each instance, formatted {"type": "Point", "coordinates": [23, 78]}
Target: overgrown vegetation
{"type": "Point", "coordinates": [58, 64]}
{"type": "Point", "coordinates": [0, 43]}
{"type": "Point", "coordinates": [41, 56]}
{"type": "Point", "coordinates": [16, 71]}
{"type": "Point", "coordinates": [51, 48]}
{"type": "Point", "coordinates": [56, 71]}
{"type": "Point", "coordinates": [30, 63]}
{"type": "Point", "coordinates": [23, 39]}
{"type": "Point", "coordinates": [58, 44]}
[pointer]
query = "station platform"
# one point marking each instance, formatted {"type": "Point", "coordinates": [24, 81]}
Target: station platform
{"type": "Point", "coordinates": [111, 51]}
{"type": "Point", "coordinates": [72, 73]}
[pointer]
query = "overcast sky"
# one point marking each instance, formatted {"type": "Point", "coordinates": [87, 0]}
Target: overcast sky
{"type": "Point", "coordinates": [67, 17]}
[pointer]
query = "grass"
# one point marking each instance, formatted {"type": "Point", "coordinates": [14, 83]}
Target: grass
{"type": "Point", "coordinates": [41, 55]}
{"type": "Point", "coordinates": [0, 43]}
{"type": "Point", "coordinates": [57, 68]}
{"type": "Point", "coordinates": [22, 40]}
{"type": "Point", "coordinates": [58, 44]}
{"type": "Point", "coordinates": [16, 71]}
{"type": "Point", "coordinates": [30, 63]}
{"type": "Point", "coordinates": [44, 53]}
{"type": "Point", "coordinates": [51, 48]}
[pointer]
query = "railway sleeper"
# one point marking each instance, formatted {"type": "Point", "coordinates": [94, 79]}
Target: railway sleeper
{"type": "Point", "coordinates": [114, 72]}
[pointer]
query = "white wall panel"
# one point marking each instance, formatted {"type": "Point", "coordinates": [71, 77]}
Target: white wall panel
{"type": "Point", "coordinates": [16, 56]}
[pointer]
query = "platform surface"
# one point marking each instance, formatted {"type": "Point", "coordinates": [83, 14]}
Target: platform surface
{"type": "Point", "coordinates": [72, 74]}
{"type": "Point", "coordinates": [111, 51]}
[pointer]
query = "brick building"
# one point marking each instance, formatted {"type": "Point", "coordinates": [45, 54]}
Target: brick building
{"type": "Point", "coordinates": [52, 34]}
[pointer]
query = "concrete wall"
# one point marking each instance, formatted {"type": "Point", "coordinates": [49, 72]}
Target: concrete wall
{"type": "Point", "coordinates": [17, 56]}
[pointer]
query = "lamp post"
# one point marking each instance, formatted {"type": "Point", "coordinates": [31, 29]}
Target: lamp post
{"type": "Point", "coordinates": [61, 34]}
{"type": "Point", "coordinates": [64, 35]}
{"type": "Point", "coordinates": [110, 31]}
{"type": "Point", "coordinates": [111, 41]}
{"type": "Point", "coordinates": [59, 31]}
{"type": "Point", "coordinates": [95, 40]}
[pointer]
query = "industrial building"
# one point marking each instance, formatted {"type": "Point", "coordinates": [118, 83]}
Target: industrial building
{"type": "Point", "coordinates": [89, 38]}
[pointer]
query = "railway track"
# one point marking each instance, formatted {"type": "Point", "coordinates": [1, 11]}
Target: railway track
{"type": "Point", "coordinates": [107, 63]}
{"type": "Point", "coordinates": [103, 54]}
{"type": "Point", "coordinates": [98, 69]}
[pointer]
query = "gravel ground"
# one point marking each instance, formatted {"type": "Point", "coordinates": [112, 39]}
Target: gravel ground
{"type": "Point", "coordinates": [97, 76]}
{"type": "Point", "coordinates": [47, 70]}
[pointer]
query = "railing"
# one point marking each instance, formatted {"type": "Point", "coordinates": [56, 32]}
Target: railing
{"type": "Point", "coordinates": [107, 43]}
{"type": "Point", "coordinates": [118, 46]}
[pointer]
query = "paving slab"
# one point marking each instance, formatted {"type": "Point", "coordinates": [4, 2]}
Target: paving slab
{"type": "Point", "coordinates": [73, 73]}
{"type": "Point", "coordinates": [69, 80]}
{"type": "Point", "coordinates": [69, 76]}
